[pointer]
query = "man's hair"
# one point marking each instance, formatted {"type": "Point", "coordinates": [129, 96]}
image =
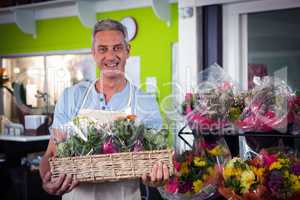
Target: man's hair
{"type": "Point", "coordinates": [110, 25]}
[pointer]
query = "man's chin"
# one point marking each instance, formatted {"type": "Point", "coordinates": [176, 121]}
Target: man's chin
{"type": "Point", "coordinates": [112, 74]}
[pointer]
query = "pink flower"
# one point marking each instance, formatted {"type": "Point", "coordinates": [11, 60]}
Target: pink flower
{"type": "Point", "coordinates": [225, 86]}
{"type": "Point", "coordinates": [268, 158]}
{"type": "Point", "coordinates": [172, 185]}
{"type": "Point", "coordinates": [176, 165]}
{"type": "Point", "coordinates": [109, 147]}
{"type": "Point", "coordinates": [188, 109]}
{"type": "Point", "coordinates": [188, 97]}
{"type": "Point", "coordinates": [138, 146]}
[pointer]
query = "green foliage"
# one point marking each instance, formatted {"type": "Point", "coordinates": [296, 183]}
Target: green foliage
{"type": "Point", "coordinates": [125, 134]}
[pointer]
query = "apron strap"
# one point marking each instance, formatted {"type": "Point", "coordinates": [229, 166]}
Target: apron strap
{"type": "Point", "coordinates": [86, 94]}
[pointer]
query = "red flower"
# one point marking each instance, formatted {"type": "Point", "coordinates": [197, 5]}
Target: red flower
{"type": "Point", "coordinates": [172, 185]}
{"type": "Point", "coordinates": [189, 158]}
{"type": "Point", "coordinates": [176, 165]}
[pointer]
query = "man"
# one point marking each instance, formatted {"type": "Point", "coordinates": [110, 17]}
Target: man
{"type": "Point", "coordinates": [111, 92]}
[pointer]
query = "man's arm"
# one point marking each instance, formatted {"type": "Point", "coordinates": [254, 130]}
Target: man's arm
{"type": "Point", "coordinates": [62, 184]}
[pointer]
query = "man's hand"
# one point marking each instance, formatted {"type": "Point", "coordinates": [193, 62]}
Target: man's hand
{"type": "Point", "coordinates": [159, 174]}
{"type": "Point", "coordinates": [58, 186]}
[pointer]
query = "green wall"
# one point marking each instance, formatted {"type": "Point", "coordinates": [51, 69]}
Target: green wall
{"type": "Point", "coordinates": [153, 41]}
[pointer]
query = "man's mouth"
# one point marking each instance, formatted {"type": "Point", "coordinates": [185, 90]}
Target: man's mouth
{"type": "Point", "coordinates": [111, 65]}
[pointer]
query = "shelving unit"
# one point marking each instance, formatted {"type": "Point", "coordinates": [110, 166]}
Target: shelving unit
{"type": "Point", "coordinates": [25, 16]}
{"type": "Point", "coordinates": [232, 139]}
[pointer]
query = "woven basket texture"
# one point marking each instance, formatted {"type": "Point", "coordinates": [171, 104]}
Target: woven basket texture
{"type": "Point", "coordinates": [110, 167]}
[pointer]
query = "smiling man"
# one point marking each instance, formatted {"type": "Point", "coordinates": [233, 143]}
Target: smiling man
{"type": "Point", "coordinates": [112, 92]}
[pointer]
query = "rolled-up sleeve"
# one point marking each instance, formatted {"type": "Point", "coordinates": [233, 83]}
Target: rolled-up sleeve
{"type": "Point", "coordinates": [64, 109]}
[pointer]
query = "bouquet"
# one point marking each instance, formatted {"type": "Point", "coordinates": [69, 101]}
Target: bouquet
{"type": "Point", "coordinates": [272, 174]}
{"type": "Point", "coordinates": [84, 136]}
{"type": "Point", "coordinates": [214, 147]}
{"type": "Point", "coordinates": [294, 114]}
{"type": "Point", "coordinates": [241, 181]}
{"type": "Point", "coordinates": [195, 177]}
{"type": "Point", "coordinates": [269, 107]}
{"type": "Point", "coordinates": [209, 107]}
{"type": "Point", "coordinates": [282, 177]}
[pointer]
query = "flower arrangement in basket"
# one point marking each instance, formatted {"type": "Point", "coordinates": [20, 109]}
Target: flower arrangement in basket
{"type": "Point", "coordinates": [213, 105]}
{"type": "Point", "coordinates": [121, 149]}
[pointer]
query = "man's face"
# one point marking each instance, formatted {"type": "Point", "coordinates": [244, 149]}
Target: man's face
{"type": "Point", "coordinates": [110, 53]}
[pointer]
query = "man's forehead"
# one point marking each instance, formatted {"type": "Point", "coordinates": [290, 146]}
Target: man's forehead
{"type": "Point", "coordinates": [109, 36]}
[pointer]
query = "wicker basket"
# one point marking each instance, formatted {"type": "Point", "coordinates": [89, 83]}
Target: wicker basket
{"type": "Point", "coordinates": [110, 167]}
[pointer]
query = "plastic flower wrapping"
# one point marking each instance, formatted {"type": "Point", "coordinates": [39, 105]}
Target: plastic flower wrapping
{"type": "Point", "coordinates": [282, 177]}
{"type": "Point", "coordinates": [85, 136]}
{"type": "Point", "coordinates": [240, 181]}
{"type": "Point", "coordinates": [268, 107]}
{"type": "Point", "coordinates": [272, 174]}
{"type": "Point", "coordinates": [294, 115]}
{"type": "Point", "coordinates": [197, 171]}
{"type": "Point", "coordinates": [209, 108]}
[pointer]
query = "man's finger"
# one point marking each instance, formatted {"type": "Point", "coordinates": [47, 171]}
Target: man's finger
{"type": "Point", "coordinates": [73, 185]}
{"type": "Point", "coordinates": [66, 184]}
{"type": "Point", "coordinates": [58, 182]}
{"type": "Point", "coordinates": [166, 172]}
{"type": "Point", "coordinates": [47, 177]}
{"type": "Point", "coordinates": [153, 173]}
{"type": "Point", "coordinates": [159, 172]}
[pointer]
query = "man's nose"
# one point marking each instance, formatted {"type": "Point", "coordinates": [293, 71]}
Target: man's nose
{"type": "Point", "coordinates": [110, 54]}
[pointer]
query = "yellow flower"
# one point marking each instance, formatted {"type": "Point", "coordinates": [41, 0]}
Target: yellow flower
{"type": "Point", "coordinates": [295, 183]}
{"type": "Point", "coordinates": [215, 151]}
{"type": "Point", "coordinates": [247, 179]}
{"type": "Point", "coordinates": [199, 162]}
{"type": "Point", "coordinates": [184, 168]}
{"type": "Point", "coordinates": [286, 174]}
{"type": "Point", "coordinates": [259, 173]}
{"type": "Point", "coordinates": [197, 185]}
{"type": "Point", "coordinates": [275, 165]}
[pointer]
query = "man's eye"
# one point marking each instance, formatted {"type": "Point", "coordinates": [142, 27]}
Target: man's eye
{"type": "Point", "coordinates": [118, 48]}
{"type": "Point", "coordinates": [102, 49]}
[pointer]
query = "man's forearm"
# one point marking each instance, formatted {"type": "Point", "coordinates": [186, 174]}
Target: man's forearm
{"type": "Point", "coordinates": [44, 165]}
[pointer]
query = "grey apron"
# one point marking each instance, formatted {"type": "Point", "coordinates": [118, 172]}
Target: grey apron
{"type": "Point", "coordinates": [122, 190]}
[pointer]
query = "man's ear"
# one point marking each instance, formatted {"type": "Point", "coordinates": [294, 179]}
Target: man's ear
{"type": "Point", "coordinates": [128, 48]}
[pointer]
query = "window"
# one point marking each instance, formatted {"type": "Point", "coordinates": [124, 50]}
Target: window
{"type": "Point", "coordinates": [38, 81]}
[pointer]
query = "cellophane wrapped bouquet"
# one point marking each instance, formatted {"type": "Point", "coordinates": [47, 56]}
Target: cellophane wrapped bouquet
{"type": "Point", "coordinates": [213, 105]}
{"type": "Point", "coordinates": [85, 136]}
{"type": "Point", "coordinates": [282, 174]}
{"type": "Point", "coordinates": [268, 107]}
{"type": "Point", "coordinates": [272, 174]}
{"type": "Point", "coordinates": [240, 181]}
{"type": "Point", "coordinates": [294, 114]}
{"type": "Point", "coordinates": [197, 171]}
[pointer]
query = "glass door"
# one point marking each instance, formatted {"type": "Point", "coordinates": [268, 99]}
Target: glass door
{"type": "Point", "coordinates": [274, 46]}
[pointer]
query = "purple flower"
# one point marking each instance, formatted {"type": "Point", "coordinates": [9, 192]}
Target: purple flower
{"type": "Point", "coordinates": [296, 169]}
{"type": "Point", "coordinates": [185, 187]}
{"type": "Point", "coordinates": [275, 181]}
